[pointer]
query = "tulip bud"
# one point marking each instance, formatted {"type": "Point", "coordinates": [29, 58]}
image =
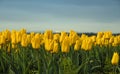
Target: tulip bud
{"type": "Point", "coordinates": [115, 58]}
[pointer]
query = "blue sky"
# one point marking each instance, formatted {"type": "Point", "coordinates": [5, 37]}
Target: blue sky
{"type": "Point", "coordinates": [60, 15]}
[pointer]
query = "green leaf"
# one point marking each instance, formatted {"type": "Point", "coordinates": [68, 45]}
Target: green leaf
{"type": "Point", "coordinates": [10, 71]}
{"type": "Point", "coordinates": [94, 67]}
{"type": "Point", "coordinates": [118, 69]}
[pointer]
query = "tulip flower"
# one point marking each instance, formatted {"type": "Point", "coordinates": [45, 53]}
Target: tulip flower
{"type": "Point", "coordinates": [65, 45]}
{"type": "Point", "coordinates": [115, 58]}
{"type": "Point", "coordinates": [55, 47]}
{"type": "Point", "coordinates": [2, 39]}
{"type": "Point", "coordinates": [77, 45]}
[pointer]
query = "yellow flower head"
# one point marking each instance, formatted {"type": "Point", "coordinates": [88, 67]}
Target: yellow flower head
{"type": "Point", "coordinates": [2, 39]}
{"type": "Point", "coordinates": [77, 45]}
{"type": "Point", "coordinates": [115, 58]}
{"type": "Point", "coordinates": [55, 47]}
{"type": "Point", "coordinates": [48, 34]}
{"type": "Point", "coordinates": [56, 37]}
{"type": "Point", "coordinates": [65, 45]}
{"type": "Point", "coordinates": [13, 37]}
{"type": "Point", "coordinates": [100, 34]}
{"type": "Point", "coordinates": [62, 37]}
{"type": "Point", "coordinates": [24, 41]}
{"type": "Point", "coordinates": [36, 42]}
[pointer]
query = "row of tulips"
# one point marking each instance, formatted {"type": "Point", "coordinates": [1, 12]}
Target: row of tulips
{"type": "Point", "coordinates": [58, 53]}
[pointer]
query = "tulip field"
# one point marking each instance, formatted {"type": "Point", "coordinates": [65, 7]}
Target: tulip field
{"type": "Point", "coordinates": [58, 53]}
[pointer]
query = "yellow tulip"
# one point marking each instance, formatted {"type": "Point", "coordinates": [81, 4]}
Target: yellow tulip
{"type": "Point", "coordinates": [28, 39]}
{"type": "Point", "coordinates": [56, 37]}
{"type": "Point", "coordinates": [32, 34]}
{"type": "Point", "coordinates": [116, 40]}
{"type": "Point", "coordinates": [55, 47]}
{"type": "Point", "coordinates": [49, 44]}
{"type": "Point", "coordinates": [33, 43]}
{"type": "Point", "coordinates": [107, 34]}
{"type": "Point", "coordinates": [2, 39]}
{"type": "Point", "coordinates": [7, 35]}
{"type": "Point", "coordinates": [111, 39]}
{"type": "Point", "coordinates": [36, 41]}
{"type": "Point", "coordinates": [13, 37]}
{"type": "Point", "coordinates": [46, 41]}
{"type": "Point", "coordinates": [84, 36]}
{"type": "Point", "coordinates": [98, 41]}
{"type": "Point", "coordinates": [106, 42]}
{"type": "Point", "coordinates": [77, 45]}
{"type": "Point", "coordinates": [100, 34]}
{"type": "Point", "coordinates": [115, 58]}
{"type": "Point", "coordinates": [65, 45]}
{"type": "Point", "coordinates": [18, 36]}
{"type": "Point", "coordinates": [73, 37]}
{"type": "Point", "coordinates": [48, 34]}
{"type": "Point", "coordinates": [93, 38]}
{"type": "Point", "coordinates": [62, 37]}
{"type": "Point", "coordinates": [23, 31]}
{"type": "Point", "coordinates": [87, 44]}
{"type": "Point", "coordinates": [24, 42]}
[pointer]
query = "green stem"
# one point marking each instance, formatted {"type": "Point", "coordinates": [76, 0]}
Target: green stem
{"type": "Point", "coordinates": [24, 72]}
{"type": "Point", "coordinates": [38, 62]}
{"type": "Point", "coordinates": [114, 69]}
